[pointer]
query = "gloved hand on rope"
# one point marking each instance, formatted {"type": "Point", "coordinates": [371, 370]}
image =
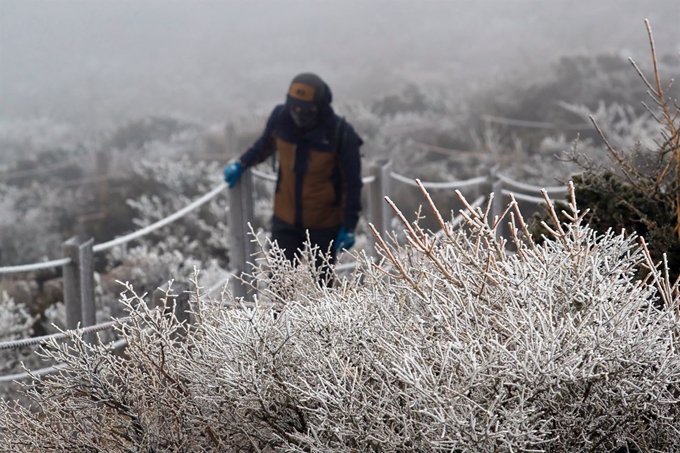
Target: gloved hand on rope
{"type": "Point", "coordinates": [232, 173]}
{"type": "Point", "coordinates": [344, 240]}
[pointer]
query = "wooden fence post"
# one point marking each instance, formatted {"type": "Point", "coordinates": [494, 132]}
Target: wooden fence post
{"type": "Point", "coordinates": [87, 304]}
{"type": "Point", "coordinates": [102, 171]}
{"type": "Point", "coordinates": [387, 212]}
{"type": "Point", "coordinates": [230, 139]}
{"type": "Point", "coordinates": [375, 196]}
{"type": "Point", "coordinates": [379, 211]}
{"type": "Point", "coordinates": [79, 282]}
{"type": "Point", "coordinates": [241, 247]}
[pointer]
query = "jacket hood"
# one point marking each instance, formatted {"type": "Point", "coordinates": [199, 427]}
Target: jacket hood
{"type": "Point", "coordinates": [308, 89]}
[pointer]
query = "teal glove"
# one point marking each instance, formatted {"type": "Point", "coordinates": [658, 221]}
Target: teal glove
{"type": "Point", "coordinates": [345, 239]}
{"type": "Point", "coordinates": [232, 173]}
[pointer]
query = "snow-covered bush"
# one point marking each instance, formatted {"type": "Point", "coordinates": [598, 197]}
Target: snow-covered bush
{"type": "Point", "coordinates": [639, 190]}
{"type": "Point", "coordinates": [449, 343]}
{"type": "Point", "coordinates": [15, 323]}
{"type": "Point", "coordinates": [201, 234]}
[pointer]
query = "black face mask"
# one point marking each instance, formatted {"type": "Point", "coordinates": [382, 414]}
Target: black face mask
{"type": "Point", "coordinates": [304, 119]}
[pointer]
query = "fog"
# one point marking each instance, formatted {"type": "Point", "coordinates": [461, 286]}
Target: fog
{"type": "Point", "coordinates": [111, 60]}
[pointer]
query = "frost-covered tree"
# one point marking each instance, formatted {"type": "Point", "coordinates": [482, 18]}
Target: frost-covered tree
{"type": "Point", "coordinates": [449, 343]}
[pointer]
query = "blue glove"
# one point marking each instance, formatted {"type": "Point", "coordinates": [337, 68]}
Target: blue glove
{"type": "Point", "coordinates": [232, 173]}
{"type": "Point", "coordinates": [345, 239]}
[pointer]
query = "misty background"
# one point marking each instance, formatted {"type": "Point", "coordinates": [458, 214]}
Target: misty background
{"type": "Point", "coordinates": [95, 64]}
{"type": "Point", "coordinates": [114, 114]}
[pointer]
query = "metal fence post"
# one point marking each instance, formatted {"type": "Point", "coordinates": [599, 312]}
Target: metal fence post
{"type": "Point", "coordinates": [79, 282]}
{"type": "Point", "coordinates": [240, 215]}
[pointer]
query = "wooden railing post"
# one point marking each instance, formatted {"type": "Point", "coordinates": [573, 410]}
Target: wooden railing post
{"type": "Point", "coordinates": [79, 283]}
{"type": "Point", "coordinates": [387, 212]}
{"type": "Point", "coordinates": [375, 196]}
{"type": "Point", "coordinates": [241, 247]}
{"type": "Point", "coordinates": [72, 283]}
{"type": "Point", "coordinates": [379, 210]}
{"type": "Point", "coordinates": [87, 304]}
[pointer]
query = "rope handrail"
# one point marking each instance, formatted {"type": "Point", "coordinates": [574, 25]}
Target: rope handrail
{"type": "Point", "coordinates": [263, 175]}
{"type": "Point", "coordinates": [40, 372]}
{"type": "Point", "coordinates": [534, 124]}
{"type": "Point", "coordinates": [54, 368]}
{"type": "Point", "coordinates": [161, 223]}
{"type": "Point", "coordinates": [35, 171]}
{"type": "Point", "coordinates": [208, 196]}
{"type": "Point", "coordinates": [523, 197]}
{"type": "Point", "coordinates": [531, 188]}
{"type": "Point", "coordinates": [114, 345]}
{"type": "Point", "coordinates": [123, 239]}
{"type": "Point", "coordinates": [440, 185]}
{"type": "Point", "coordinates": [34, 266]}
{"type": "Point", "coordinates": [459, 218]}
{"type": "Point", "coordinates": [15, 344]}
{"type": "Point", "coordinates": [272, 177]}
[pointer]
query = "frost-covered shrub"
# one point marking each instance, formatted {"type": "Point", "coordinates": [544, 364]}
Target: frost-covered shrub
{"type": "Point", "coordinates": [639, 191]}
{"type": "Point", "coordinates": [451, 343]}
{"type": "Point", "coordinates": [15, 323]}
{"type": "Point", "coordinates": [32, 222]}
{"type": "Point", "coordinates": [147, 268]}
{"type": "Point", "coordinates": [202, 234]}
{"type": "Point", "coordinates": [26, 138]}
{"type": "Point", "coordinates": [138, 133]}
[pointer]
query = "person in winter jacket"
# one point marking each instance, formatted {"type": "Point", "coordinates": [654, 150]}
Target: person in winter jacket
{"type": "Point", "coordinates": [318, 190]}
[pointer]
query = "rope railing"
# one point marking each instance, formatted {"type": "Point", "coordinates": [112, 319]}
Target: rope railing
{"type": "Point", "coordinates": [35, 266]}
{"type": "Point", "coordinates": [558, 190]}
{"type": "Point", "coordinates": [263, 175]}
{"type": "Point", "coordinates": [16, 344]}
{"type": "Point", "coordinates": [121, 240]}
{"type": "Point", "coordinates": [210, 195]}
{"type": "Point", "coordinates": [83, 331]}
{"type": "Point", "coordinates": [272, 177]}
{"type": "Point", "coordinates": [524, 197]}
{"type": "Point", "coordinates": [161, 223]}
{"type": "Point", "coordinates": [440, 185]}
{"type": "Point", "coordinates": [35, 171]}
{"type": "Point", "coordinates": [457, 220]}
{"type": "Point", "coordinates": [57, 336]}
{"type": "Point", "coordinates": [534, 124]}
{"type": "Point", "coordinates": [24, 375]}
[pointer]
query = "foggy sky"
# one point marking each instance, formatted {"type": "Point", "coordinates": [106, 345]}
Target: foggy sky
{"type": "Point", "coordinates": [118, 59]}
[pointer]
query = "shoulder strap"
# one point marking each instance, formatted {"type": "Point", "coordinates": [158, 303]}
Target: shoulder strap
{"type": "Point", "coordinates": [340, 134]}
{"type": "Point", "coordinates": [275, 156]}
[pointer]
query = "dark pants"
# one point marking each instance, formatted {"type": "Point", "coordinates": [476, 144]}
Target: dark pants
{"type": "Point", "coordinates": [291, 239]}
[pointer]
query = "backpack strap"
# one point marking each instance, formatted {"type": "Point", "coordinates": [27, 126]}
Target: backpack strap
{"type": "Point", "coordinates": [340, 131]}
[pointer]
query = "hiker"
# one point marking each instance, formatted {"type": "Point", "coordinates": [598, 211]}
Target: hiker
{"type": "Point", "coordinates": [318, 190]}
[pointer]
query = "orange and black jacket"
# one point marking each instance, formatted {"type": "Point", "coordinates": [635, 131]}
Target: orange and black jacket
{"type": "Point", "coordinates": [319, 175]}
